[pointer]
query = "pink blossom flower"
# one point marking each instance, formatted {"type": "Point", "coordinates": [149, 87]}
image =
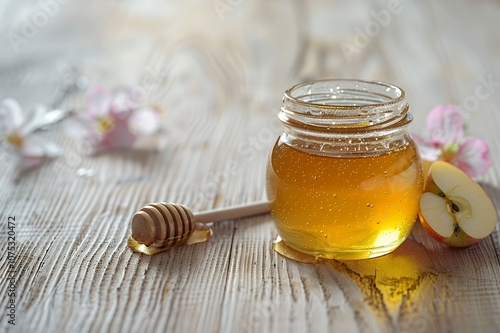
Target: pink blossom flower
{"type": "Point", "coordinates": [17, 130]}
{"type": "Point", "coordinates": [115, 121]}
{"type": "Point", "coordinates": [446, 142]}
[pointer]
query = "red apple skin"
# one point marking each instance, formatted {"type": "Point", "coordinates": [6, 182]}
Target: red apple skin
{"type": "Point", "coordinates": [428, 228]}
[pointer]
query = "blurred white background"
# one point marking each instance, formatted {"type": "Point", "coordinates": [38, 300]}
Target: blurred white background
{"type": "Point", "coordinates": [244, 54]}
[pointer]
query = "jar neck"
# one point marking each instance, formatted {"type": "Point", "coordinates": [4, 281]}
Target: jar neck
{"type": "Point", "coordinates": [345, 117]}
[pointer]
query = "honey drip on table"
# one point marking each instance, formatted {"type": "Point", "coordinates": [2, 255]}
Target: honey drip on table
{"type": "Point", "coordinates": [201, 233]}
{"type": "Point", "coordinates": [281, 248]}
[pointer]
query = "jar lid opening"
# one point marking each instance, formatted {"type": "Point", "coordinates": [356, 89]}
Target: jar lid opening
{"type": "Point", "coordinates": [344, 94]}
{"type": "Point", "coordinates": [344, 103]}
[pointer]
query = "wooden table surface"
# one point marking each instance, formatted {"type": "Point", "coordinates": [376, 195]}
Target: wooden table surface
{"type": "Point", "coordinates": [221, 69]}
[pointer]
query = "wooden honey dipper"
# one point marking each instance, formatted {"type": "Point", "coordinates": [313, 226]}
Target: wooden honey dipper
{"type": "Point", "coordinates": [161, 226]}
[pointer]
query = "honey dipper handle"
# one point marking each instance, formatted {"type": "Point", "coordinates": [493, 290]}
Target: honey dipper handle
{"type": "Point", "coordinates": [230, 213]}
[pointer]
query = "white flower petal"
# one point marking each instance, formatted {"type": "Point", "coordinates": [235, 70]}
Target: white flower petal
{"type": "Point", "coordinates": [36, 146]}
{"type": "Point", "coordinates": [51, 117]}
{"type": "Point", "coordinates": [32, 121]}
{"type": "Point", "coordinates": [145, 121]}
{"type": "Point", "coordinates": [11, 115]}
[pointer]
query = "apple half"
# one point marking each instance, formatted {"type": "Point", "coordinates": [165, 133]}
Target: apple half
{"type": "Point", "coordinates": [454, 209]}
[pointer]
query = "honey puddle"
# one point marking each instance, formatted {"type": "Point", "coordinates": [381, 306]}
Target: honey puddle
{"type": "Point", "coordinates": [201, 233]}
{"type": "Point", "coordinates": [287, 252]}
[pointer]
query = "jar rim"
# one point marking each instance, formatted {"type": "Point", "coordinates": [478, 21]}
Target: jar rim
{"type": "Point", "coordinates": [398, 98]}
{"type": "Point", "coordinates": [345, 103]}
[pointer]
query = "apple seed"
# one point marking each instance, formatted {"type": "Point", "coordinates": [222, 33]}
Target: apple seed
{"type": "Point", "coordinates": [455, 207]}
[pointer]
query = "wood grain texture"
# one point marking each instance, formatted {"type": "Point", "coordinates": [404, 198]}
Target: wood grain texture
{"type": "Point", "coordinates": [221, 87]}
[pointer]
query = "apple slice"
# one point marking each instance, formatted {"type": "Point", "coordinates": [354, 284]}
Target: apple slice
{"type": "Point", "coordinates": [454, 209]}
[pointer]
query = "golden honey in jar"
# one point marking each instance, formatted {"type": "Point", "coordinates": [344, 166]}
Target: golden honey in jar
{"type": "Point", "coordinates": [344, 179]}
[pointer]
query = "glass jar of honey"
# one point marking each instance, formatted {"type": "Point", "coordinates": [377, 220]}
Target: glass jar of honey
{"type": "Point", "coordinates": [344, 179]}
